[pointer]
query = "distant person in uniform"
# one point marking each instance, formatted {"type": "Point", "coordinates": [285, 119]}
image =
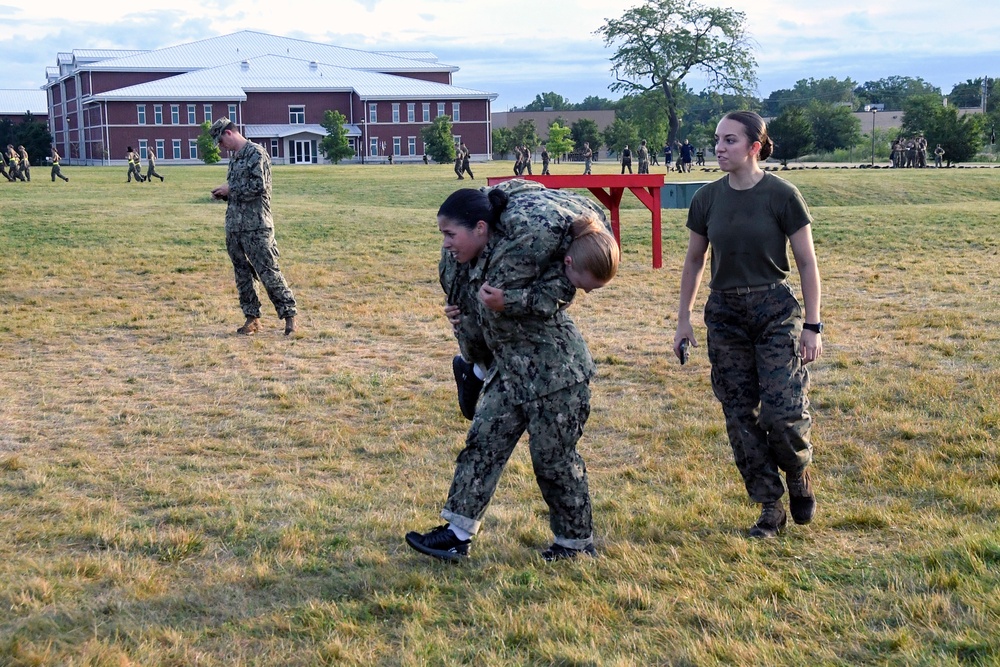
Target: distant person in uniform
{"type": "Point", "coordinates": [588, 157]}
{"type": "Point", "coordinates": [466, 168]}
{"type": "Point", "coordinates": [250, 228]}
{"type": "Point", "coordinates": [938, 154]}
{"type": "Point", "coordinates": [25, 163]}
{"type": "Point", "coordinates": [56, 171]}
{"type": "Point", "coordinates": [626, 159]}
{"type": "Point", "coordinates": [545, 160]}
{"type": "Point", "coordinates": [151, 163]}
{"type": "Point", "coordinates": [14, 163]}
{"type": "Point", "coordinates": [643, 155]}
{"type": "Point", "coordinates": [132, 160]}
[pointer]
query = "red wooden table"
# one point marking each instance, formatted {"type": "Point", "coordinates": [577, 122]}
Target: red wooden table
{"type": "Point", "coordinates": [645, 186]}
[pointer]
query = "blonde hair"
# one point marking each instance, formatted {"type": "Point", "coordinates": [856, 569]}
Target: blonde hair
{"type": "Point", "coordinates": [593, 249]}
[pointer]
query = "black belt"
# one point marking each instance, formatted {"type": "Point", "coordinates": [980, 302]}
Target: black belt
{"type": "Point", "coordinates": [747, 290]}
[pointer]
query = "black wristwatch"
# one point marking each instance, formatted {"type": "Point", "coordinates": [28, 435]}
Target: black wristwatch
{"type": "Point", "coordinates": [818, 327]}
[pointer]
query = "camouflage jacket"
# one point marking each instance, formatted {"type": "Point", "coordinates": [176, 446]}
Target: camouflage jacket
{"type": "Point", "coordinates": [536, 346]}
{"type": "Point", "coordinates": [249, 181]}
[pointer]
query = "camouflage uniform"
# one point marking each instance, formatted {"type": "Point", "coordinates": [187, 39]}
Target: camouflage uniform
{"type": "Point", "coordinates": [759, 377]}
{"type": "Point", "coordinates": [250, 233]}
{"type": "Point", "coordinates": [25, 163]}
{"type": "Point", "coordinates": [539, 381]}
{"type": "Point", "coordinates": [151, 165]}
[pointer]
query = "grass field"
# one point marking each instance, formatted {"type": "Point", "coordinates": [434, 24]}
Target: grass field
{"type": "Point", "coordinates": [173, 494]}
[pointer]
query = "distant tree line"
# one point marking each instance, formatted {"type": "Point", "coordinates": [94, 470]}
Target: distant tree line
{"type": "Point", "coordinates": [31, 133]}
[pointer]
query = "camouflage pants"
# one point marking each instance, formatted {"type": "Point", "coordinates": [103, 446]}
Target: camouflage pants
{"type": "Point", "coordinates": [133, 170]}
{"type": "Point", "coordinates": [554, 424]}
{"type": "Point", "coordinates": [255, 257]}
{"type": "Point", "coordinates": [758, 376]}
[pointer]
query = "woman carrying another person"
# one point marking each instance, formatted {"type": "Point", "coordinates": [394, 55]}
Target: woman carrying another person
{"type": "Point", "coordinates": [759, 342]}
{"type": "Point", "coordinates": [513, 283]}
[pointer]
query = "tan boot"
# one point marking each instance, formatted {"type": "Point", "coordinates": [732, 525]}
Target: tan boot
{"type": "Point", "coordinates": [250, 327]}
{"type": "Point", "coordinates": [290, 327]}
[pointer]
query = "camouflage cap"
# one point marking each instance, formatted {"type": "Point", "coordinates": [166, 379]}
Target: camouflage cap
{"type": "Point", "coordinates": [218, 127]}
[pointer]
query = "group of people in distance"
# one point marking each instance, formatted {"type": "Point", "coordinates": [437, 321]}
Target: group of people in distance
{"type": "Point", "coordinates": [461, 162]}
{"type": "Point", "coordinates": [513, 257]}
{"type": "Point", "coordinates": [911, 152]}
{"type": "Point", "coordinates": [134, 164]}
{"type": "Point", "coordinates": [14, 164]}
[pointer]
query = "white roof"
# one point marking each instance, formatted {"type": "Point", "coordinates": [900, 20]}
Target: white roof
{"type": "Point", "coordinates": [249, 44]}
{"type": "Point", "coordinates": [19, 100]}
{"type": "Point", "coordinates": [271, 73]}
{"type": "Point", "coordinates": [281, 131]}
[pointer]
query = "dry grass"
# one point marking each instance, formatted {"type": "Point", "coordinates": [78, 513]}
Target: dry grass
{"type": "Point", "coordinates": [176, 495]}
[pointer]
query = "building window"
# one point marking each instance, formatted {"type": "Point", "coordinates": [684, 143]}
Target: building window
{"type": "Point", "coordinates": [208, 113]}
{"type": "Point", "coordinates": [158, 114]}
{"type": "Point", "coordinates": [297, 115]}
{"type": "Point", "coordinates": [177, 149]}
{"type": "Point", "coordinates": [456, 113]}
{"type": "Point", "coordinates": [395, 112]}
{"type": "Point", "coordinates": [232, 112]}
{"type": "Point", "coordinates": [411, 145]}
{"type": "Point", "coordinates": [373, 112]}
{"type": "Point", "coordinates": [457, 138]}
{"type": "Point", "coordinates": [191, 118]}
{"type": "Point", "coordinates": [411, 112]}
{"type": "Point", "coordinates": [193, 148]}
{"type": "Point", "coordinates": [142, 149]}
{"type": "Point", "coordinates": [274, 147]}
{"type": "Point", "coordinates": [175, 114]}
{"type": "Point", "coordinates": [141, 109]}
{"type": "Point", "coordinates": [159, 149]}
{"type": "Point", "coordinates": [427, 112]}
{"type": "Point", "coordinates": [373, 146]}
{"type": "Point", "coordinates": [397, 145]}
{"type": "Point", "coordinates": [440, 108]}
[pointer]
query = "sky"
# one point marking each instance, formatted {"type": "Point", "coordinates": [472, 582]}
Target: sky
{"type": "Point", "coordinates": [521, 48]}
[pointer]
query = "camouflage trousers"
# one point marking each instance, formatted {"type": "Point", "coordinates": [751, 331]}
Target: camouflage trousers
{"type": "Point", "coordinates": [554, 424]}
{"type": "Point", "coordinates": [255, 257]}
{"type": "Point", "coordinates": [759, 377]}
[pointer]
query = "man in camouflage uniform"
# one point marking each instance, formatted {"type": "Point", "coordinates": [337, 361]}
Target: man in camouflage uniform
{"type": "Point", "coordinates": [643, 155]}
{"type": "Point", "coordinates": [538, 375]}
{"type": "Point", "coordinates": [132, 160]}
{"type": "Point", "coordinates": [250, 228]}
{"type": "Point", "coordinates": [14, 162]}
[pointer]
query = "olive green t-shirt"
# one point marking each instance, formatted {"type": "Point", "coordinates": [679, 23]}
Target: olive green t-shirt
{"type": "Point", "coordinates": [748, 230]}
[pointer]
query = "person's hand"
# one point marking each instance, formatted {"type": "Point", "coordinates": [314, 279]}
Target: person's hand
{"type": "Point", "coordinates": [810, 346]}
{"type": "Point", "coordinates": [221, 192]}
{"type": "Point", "coordinates": [684, 332]}
{"type": "Point", "coordinates": [454, 315]}
{"type": "Point", "coordinates": [491, 297]}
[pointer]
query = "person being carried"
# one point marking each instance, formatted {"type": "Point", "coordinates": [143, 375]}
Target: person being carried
{"type": "Point", "coordinates": [539, 379]}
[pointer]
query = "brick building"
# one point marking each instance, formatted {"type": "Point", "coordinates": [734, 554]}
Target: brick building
{"type": "Point", "coordinates": [16, 103]}
{"type": "Point", "coordinates": [275, 89]}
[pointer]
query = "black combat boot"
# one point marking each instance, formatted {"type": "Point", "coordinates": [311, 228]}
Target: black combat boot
{"type": "Point", "coordinates": [772, 520]}
{"type": "Point", "coordinates": [439, 543]}
{"type": "Point", "coordinates": [468, 386]}
{"type": "Point", "coordinates": [801, 499]}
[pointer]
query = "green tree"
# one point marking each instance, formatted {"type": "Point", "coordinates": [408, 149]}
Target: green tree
{"type": "Point", "coordinates": [892, 91]}
{"type": "Point", "coordinates": [960, 137]}
{"type": "Point", "coordinates": [619, 134]}
{"type": "Point", "coordinates": [791, 133]}
{"type": "Point", "coordinates": [439, 142]}
{"type": "Point", "coordinates": [560, 140]}
{"type": "Point", "coordinates": [660, 42]}
{"type": "Point", "coordinates": [645, 112]}
{"type": "Point", "coordinates": [525, 134]}
{"type": "Point", "coordinates": [208, 149]}
{"type": "Point", "coordinates": [833, 126]}
{"type": "Point", "coordinates": [830, 90]}
{"type": "Point", "coordinates": [503, 142]}
{"type": "Point", "coordinates": [335, 145]}
{"type": "Point", "coordinates": [586, 130]}
{"type": "Point", "coordinates": [34, 136]}
{"type": "Point", "coordinates": [553, 101]}
{"type": "Point", "coordinates": [970, 94]}
{"type": "Point", "coordinates": [594, 103]}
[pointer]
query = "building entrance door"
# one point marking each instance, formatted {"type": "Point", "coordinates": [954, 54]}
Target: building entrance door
{"type": "Point", "coordinates": [302, 152]}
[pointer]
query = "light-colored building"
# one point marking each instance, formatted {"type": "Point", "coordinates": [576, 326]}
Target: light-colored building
{"type": "Point", "coordinates": [275, 89]}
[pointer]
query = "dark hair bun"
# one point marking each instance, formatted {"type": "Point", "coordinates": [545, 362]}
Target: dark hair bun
{"type": "Point", "coordinates": [498, 202]}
